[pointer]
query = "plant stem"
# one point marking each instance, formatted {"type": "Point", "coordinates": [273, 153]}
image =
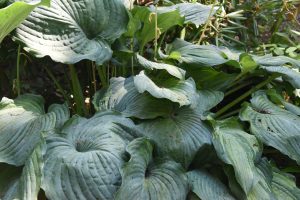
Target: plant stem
{"type": "Point", "coordinates": [102, 75]}
{"type": "Point", "coordinates": [229, 114]}
{"type": "Point", "coordinates": [57, 84]}
{"type": "Point", "coordinates": [245, 95]}
{"type": "Point", "coordinates": [77, 91]}
{"type": "Point", "coordinates": [18, 71]}
{"type": "Point", "coordinates": [156, 35]}
{"type": "Point", "coordinates": [207, 22]}
{"type": "Point", "coordinates": [238, 87]}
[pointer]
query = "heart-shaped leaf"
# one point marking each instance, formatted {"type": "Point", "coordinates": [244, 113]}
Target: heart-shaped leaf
{"type": "Point", "coordinates": [70, 31]}
{"type": "Point", "coordinates": [145, 178]}
{"type": "Point", "coordinates": [83, 162]}
{"type": "Point", "coordinates": [273, 125]}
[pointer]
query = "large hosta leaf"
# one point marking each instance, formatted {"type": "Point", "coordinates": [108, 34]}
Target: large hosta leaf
{"type": "Point", "coordinates": [208, 187]}
{"type": "Point", "coordinates": [14, 14]}
{"type": "Point", "coordinates": [269, 60]}
{"type": "Point", "coordinates": [288, 74]}
{"type": "Point", "coordinates": [147, 179]}
{"type": "Point", "coordinates": [172, 70]}
{"type": "Point", "coordinates": [21, 123]}
{"type": "Point", "coordinates": [26, 185]}
{"type": "Point", "coordinates": [273, 125]}
{"type": "Point", "coordinates": [179, 91]}
{"type": "Point", "coordinates": [84, 161]}
{"type": "Point", "coordinates": [195, 13]}
{"type": "Point", "coordinates": [70, 31]}
{"type": "Point", "coordinates": [202, 55]}
{"type": "Point", "coordinates": [241, 150]}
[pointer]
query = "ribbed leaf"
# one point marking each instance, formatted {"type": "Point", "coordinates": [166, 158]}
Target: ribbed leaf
{"type": "Point", "coordinates": [194, 13]}
{"type": "Point", "coordinates": [288, 74]}
{"type": "Point", "coordinates": [241, 150]}
{"type": "Point", "coordinates": [84, 162]}
{"type": "Point", "coordinates": [21, 123]}
{"type": "Point", "coordinates": [208, 187]}
{"type": "Point", "coordinates": [62, 113]}
{"type": "Point", "coordinates": [178, 91]}
{"type": "Point", "coordinates": [269, 60]}
{"type": "Point", "coordinates": [202, 55]}
{"type": "Point", "coordinates": [145, 178]}
{"type": "Point", "coordinates": [70, 31]}
{"type": "Point", "coordinates": [172, 70]}
{"type": "Point", "coordinates": [273, 125]}
{"type": "Point", "coordinates": [12, 15]}
{"type": "Point", "coordinates": [25, 185]}
{"type": "Point", "coordinates": [179, 135]}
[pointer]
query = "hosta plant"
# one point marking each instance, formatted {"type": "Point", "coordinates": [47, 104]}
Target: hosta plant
{"type": "Point", "coordinates": [191, 121]}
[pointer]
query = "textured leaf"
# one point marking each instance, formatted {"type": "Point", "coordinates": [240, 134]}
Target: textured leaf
{"type": "Point", "coordinates": [208, 187]}
{"type": "Point", "coordinates": [122, 96]}
{"type": "Point", "coordinates": [12, 15]}
{"type": "Point", "coordinates": [269, 60]}
{"type": "Point", "coordinates": [195, 13]}
{"type": "Point", "coordinates": [21, 123]}
{"type": "Point", "coordinates": [241, 150]}
{"type": "Point", "coordinates": [273, 125]}
{"type": "Point", "coordinates": [288, 74]}
{"type": "Point", "coordinates": [145, 178]}
{"type": "Point", "coordinates": [70, 31]}
{"type": "Point", "coordinates": [202, 55]}
{"type": "Point", "coordinates": [62, 113]}
{"type": "Point", "coordinates": [180, 135]}
{"type": "Point", "coordinates": [179, 91]}
{"type": "Point", "coordinates": [24, 185]}
{"type": "Point", "coordinates": [172, 70]}
{"type": "Point", "coordinates": [84, 162]}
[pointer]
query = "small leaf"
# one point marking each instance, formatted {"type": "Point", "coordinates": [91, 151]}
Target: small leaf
{"type": "Point", "coordinates": [247, 63]}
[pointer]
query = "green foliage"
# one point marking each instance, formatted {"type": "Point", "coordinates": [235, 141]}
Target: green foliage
{"type": "Point", "coordinates": [186, 120]}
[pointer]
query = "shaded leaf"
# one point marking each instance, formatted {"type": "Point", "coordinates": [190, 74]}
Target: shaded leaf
{"type": "Point", "coordinates": [145, 178]}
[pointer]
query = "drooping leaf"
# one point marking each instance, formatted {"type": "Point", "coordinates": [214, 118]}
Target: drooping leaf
{"type": "Point", "coordinates": [195, 13]}
{"type": "Point", "coordinates": [12, 15]}
{"type": "Point", "coordinates": [241, 150]}
{"type": "Point", "coordinates": [208, 187]}
{"type": "Point", "coordinates": [202, 55]}
{"type": "Point", "coordinates": [269, 60]}
{"type": "Point", "coordinates": [172, 70]}
{"type": "Point", "coordinates": [145, 178]}
{"type": "Point", "coordinates": [21, 123]}
{"type": "Point", "coordinates": [273, 125]}
{"type": "Point", "coordinates": [288, 74]}
{"type": "Point", "coordinates": [84, 161]}
{"type": "Point", "coordinates": [70, 31]}
{"type": "Point", "coordinates": [179, 91]}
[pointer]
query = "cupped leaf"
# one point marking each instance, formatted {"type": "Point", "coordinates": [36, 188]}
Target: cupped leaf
{"type": "Point", "coordinates": [12, 15]}
{"type": "Point", "coordinates": [145, 178]}
{"type": "Point", "coordinates": [70, 31]}
{"type": "Point", "coordinates": [207, 187]}
{"type": "Point", "coordinates": [21, 123]}
{"type": "Point", "coordinates": [194, 13]}
{"type": "Point", "coordinates": [172, 70]}
{"type": "Point", "coordinates": [241, 150]}
{"type": "Point", "coordinates": [84, 161]}
{"type": "Point", "coordinates": [178, 91]}
{"type": "Point", "coordinates": [273, 125]}
{"type": "Point", "coordinates": [288, 74]}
